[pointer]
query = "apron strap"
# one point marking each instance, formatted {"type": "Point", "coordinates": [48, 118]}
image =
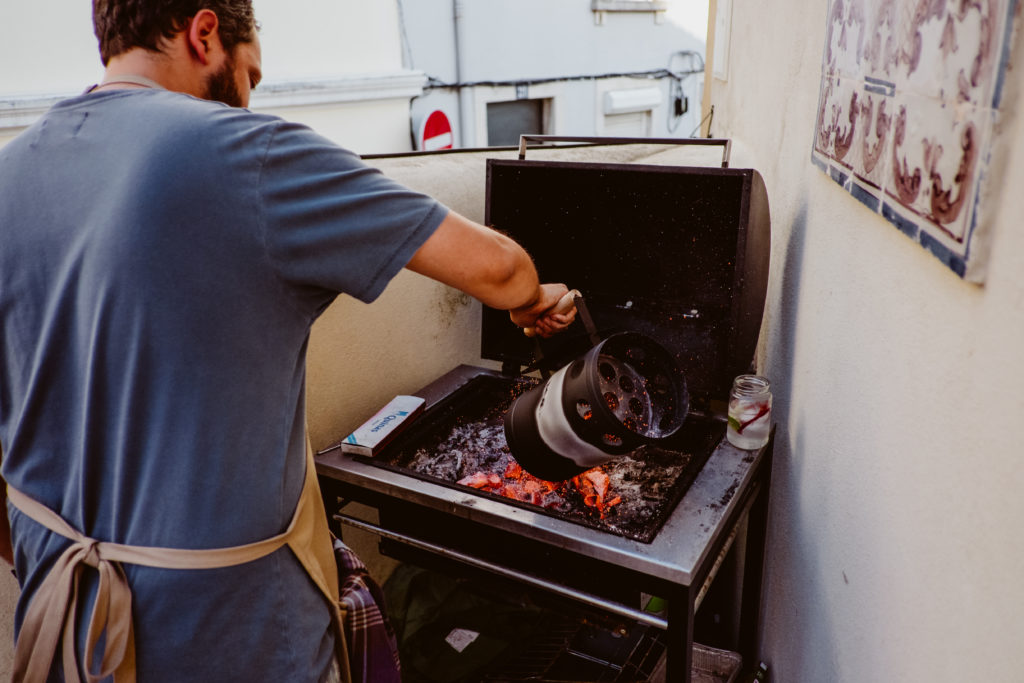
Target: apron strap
{"type": "Point", "coordinates": [312, 544]}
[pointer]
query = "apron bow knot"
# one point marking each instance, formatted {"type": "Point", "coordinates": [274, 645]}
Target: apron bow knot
{"type": "Point", "coordinates": [91, 556]}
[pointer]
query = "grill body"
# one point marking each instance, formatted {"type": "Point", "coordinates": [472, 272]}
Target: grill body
{"type": "Point", "coordinates": [677, 254]}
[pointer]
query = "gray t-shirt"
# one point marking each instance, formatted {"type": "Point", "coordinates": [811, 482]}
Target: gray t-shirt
{"type": "Point", "coordinates": [162, 259]}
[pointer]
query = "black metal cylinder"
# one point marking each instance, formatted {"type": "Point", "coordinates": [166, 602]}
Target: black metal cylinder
{"type": "Point", "coordinates": [634, 389]}
{"type": "Point", "coordinates": [623, 393]}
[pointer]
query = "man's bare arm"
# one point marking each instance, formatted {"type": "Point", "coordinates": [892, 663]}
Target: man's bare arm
{"type": "Point", "coordinates": [492, 268]}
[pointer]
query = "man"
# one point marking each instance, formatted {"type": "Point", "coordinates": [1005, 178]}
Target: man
{"type": "Point", "coordinates": [162, 258]}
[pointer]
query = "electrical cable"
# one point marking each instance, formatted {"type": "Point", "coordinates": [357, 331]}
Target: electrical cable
{"type": "Point", "coordinates": [708, 117]}
{"type": "Point", "coordinates": [676, 96]}
{"type": "Point", "coordinates": [407, 62]}
{"type": "Point", "coordinates": [676, 99]}
{"type": "Point", "coordinates": [653, 74]}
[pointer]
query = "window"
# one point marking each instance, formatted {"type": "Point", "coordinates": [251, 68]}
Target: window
{"type": "Point", "coordinates": [655, 7]}
{"type": "Point", "coordinates": [625, 110]}
{"type": "Point", "coordinates": [506, 121]}
{"type": "Point", "coordinates": [628, 5]}
{"type": "Point", "coordinates": [632, 125]}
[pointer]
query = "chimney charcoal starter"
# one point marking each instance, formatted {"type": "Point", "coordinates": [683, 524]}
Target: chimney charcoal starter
{"type": "Point", "coordinates": [625, 392]}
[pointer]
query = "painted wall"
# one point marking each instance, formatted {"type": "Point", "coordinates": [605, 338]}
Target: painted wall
{"type": "Point", "coordinates": [309, 39]}
{"type": "Point", "coordinates": [378, 126]}
{"type": "Point", "coordinates": [46, 47]}
{"type": "Point", "coordinates": [313, 42]}
{"type": "Point", "coordinates": [894, 552]}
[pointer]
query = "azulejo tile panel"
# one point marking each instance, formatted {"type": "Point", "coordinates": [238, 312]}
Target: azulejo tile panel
{"type": "Point", "coordinates": [909, 101]}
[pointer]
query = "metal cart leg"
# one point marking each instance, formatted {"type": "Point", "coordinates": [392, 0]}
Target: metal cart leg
{"type": "Point", "coordinates": [679, 663]}
{"type": "Point", "coordinates": [753, 569]}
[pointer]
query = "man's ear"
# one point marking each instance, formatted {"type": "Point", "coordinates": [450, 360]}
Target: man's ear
{"type": "Point", "coordinates": [203, 35]}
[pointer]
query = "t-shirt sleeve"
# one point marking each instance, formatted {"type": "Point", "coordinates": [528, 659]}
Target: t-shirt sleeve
{"type": "Point", "coordinates": [331, 222]}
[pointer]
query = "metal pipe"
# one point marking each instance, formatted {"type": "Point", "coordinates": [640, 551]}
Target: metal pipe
{"type": "Point", "coordinates": [579, 596]}
{"type": "Point", "coordinates": [465, 98]}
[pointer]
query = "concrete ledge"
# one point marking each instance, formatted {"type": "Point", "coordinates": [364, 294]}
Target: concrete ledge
{"type": "Point", "coordinates": [20, 111]}
{"type": "Point", "coordinates": [628, 5]}
{"type": "Point", "coordinates": [355, 88]}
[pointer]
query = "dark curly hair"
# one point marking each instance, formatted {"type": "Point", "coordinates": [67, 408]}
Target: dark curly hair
{"type": "Point", "coordinates": [121, 25]}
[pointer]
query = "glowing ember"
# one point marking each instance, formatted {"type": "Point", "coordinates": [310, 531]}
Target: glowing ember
{"type": "Point", "coordinates": [594, 484]}
{"type": "Point", "coordinates": [520, 485]}
{"type": "Point", "coordinates": [481, 480]}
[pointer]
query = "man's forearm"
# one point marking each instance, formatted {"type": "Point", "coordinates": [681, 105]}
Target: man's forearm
{"type": "Point", "coordinates": [492, 267]}
{"type": "Point", "coordinates": [481, 262]}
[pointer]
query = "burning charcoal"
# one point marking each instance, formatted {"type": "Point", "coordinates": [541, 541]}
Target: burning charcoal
{"type": "Point", "coordinates": [627, 496]}
{"type": "Point", "coordinates": [477, 481]}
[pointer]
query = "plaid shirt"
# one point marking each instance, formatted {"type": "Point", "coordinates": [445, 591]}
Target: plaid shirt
{"type": "Point", "coordinates": [372, 647]}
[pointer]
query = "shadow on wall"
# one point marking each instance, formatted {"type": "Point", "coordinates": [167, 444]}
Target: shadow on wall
{"type": "Point", "coordinates": [785, 541]}
{"type": "Point", "coordinates": [783, 351]}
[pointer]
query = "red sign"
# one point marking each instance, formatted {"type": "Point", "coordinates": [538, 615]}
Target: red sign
{"type": "Point", "coordinates": [436, 132]}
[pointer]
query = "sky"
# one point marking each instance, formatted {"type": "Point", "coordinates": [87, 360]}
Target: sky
{"type": "Point", "coordinates": [691, 15]}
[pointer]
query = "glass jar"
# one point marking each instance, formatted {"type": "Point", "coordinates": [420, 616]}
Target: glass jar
{"type": "Point", "coordinates": [750, 412]}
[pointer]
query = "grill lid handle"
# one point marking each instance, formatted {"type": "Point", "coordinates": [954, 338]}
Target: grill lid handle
{"type": "Point", "coordinates": [725, 143]}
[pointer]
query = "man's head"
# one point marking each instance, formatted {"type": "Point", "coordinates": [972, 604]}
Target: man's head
{"type": "Point", "coordinates": [209, 47]}
{"type": "Point", "coordinates": [121, 25]}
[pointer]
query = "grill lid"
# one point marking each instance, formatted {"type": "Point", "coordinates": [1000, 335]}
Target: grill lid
{"type": "Point", "coordinates": [677, 253]}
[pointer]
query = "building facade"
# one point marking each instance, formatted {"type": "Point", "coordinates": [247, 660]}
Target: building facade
{"type": "Point", "coordinates": [580, 68]}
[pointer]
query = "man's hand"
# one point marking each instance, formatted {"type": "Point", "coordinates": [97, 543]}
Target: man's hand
{"type": "Point", "coordinates": [551, 312]}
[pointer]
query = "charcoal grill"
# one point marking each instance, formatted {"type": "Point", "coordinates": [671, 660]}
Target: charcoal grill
{"type": "Point", "coordinates": [679, 254]}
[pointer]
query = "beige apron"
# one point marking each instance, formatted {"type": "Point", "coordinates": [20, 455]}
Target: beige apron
{"type": "Point", "coordinates": [54, 606]}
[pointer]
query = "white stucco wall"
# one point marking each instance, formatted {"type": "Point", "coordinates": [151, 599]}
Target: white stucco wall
{"type": "Point", "coordinates": [894, 552]}
{"type": "Point", "coordinates": [324, 38]}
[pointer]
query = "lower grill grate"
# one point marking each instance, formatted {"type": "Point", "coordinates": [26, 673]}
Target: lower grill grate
{"type": "Point", "coordinates": [570, 651]}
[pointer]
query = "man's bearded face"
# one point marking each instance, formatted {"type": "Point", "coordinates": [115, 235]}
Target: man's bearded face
{"type": "Point", "coordinates": [221, 86]}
